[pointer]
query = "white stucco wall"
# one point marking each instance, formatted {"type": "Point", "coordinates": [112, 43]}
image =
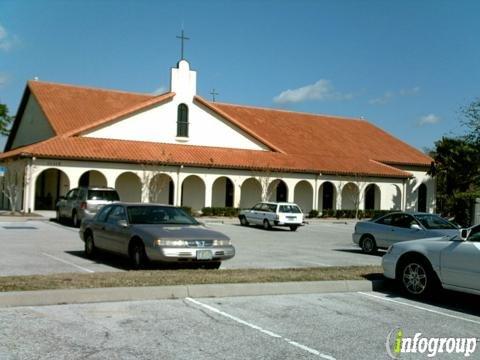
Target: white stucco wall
{"type": "Point", "coordinates": [33, 126]}
{"type": "Point", "coordinates": [159, 124]}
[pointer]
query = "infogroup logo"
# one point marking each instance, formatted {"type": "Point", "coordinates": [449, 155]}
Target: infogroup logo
{"type": "Point", "coordinates": [397, 343]}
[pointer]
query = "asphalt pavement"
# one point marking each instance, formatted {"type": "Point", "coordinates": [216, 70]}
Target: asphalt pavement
{"type": "Point", "coordinates": [326, 326]}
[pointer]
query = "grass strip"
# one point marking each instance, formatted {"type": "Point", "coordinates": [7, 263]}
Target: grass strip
{"type": "Point", "coordinates": [184, 277]}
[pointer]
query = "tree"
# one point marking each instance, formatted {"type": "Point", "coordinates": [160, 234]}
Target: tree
{"type": "Point", "coordinates": [457, 170]}
{"type": "Point", "coordinates": [472, 121]}
{"type": "Point", "coordinates": [355, 191]}
{"type": "Point", "coordinates": [12, 185]}
{"type": "Point", "coordinates": [5, 120]}
{"type": "Point", "coordinates": [268, 180]}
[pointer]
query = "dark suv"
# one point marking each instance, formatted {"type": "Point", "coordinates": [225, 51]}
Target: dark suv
{"type": "Point", "coordinates": [84, 202]}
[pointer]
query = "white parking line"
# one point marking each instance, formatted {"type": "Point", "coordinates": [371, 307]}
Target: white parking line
{"type": "Point", "coordinates": [68, 263]}
{"type": "Point", "coordinates": [420, 308]}
{"type": "Point", "coordinates": [258, 328]}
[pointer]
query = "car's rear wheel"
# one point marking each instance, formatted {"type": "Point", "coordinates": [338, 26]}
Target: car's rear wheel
{"type": "Point", "coordinates": [293, 227]}
{"type": "Point", "coordinates": [75, 220]}
{"type": "Point", "coordinates": [266, 224]}
{"type": "Point", "coordinates": [369, 246]}
{"type": "Point", "coordinates": [417, 277]}
{"type": "Point", "coordinates": [243, 221]}
{"type": "Point", "coordinates": [90, 249]}
{"type": "Point", "coordinates": [138, 257]}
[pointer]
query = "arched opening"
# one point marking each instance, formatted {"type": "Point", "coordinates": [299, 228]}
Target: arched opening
{"type": "Point", "coordinates": [303, 196]}
{"type": "Point", "coordinates": [372, 197]}
{"type": "Point", "coordinates": [161, 189]}
{"type": "Point", "coordinates": [251, 193]}
{"type": "Point", "coordinates": [222, 192]}
{"type": "Point", "coordinates": [422, 198]}
{"type": "Point", "coordinates": [92, 178]}
{"type": "Point", "coordinates": [182, 121]}
{"type": "Point", "coordinates": [49, 186]}
{"type": "Point", "coordinates": [193, 193]}
{"type": "Point", "coordinates": [129, 187]}
{"type": "Point", "coordinates": [350, 197]}
{"type": "Point", "coordinates": [327, 197]}
{"type": "Point", "coordinates": [277, 191]}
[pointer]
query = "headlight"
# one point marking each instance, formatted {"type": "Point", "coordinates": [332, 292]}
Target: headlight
{"type": "Point", "coordinates": [170, 242]}
{"type": "Point", "coordinates": [222, 242]}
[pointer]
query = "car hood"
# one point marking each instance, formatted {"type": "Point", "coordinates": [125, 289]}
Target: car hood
{"type": "Point", "coordinates": [438, 240]}
{"type": "Point", "coordinates": [180, 232]}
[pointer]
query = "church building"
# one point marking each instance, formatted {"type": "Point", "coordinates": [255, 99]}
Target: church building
{"type": "Point", "coordinates": [179, 148]}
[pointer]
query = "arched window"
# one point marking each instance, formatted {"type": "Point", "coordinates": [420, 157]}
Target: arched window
{"type": "Point", "coordinates": [182, 121]}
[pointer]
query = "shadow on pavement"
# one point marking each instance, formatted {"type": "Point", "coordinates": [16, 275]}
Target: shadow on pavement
{"type": "Point", "coordinates": [379, 253]}
{"type": "Point", "coordinates": [446, 299]}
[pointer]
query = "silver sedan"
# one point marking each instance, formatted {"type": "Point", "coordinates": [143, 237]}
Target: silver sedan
{"type": "Point", "coordinates": [146, 232]}
{"type": "Point", "coordinates": [399, 226]}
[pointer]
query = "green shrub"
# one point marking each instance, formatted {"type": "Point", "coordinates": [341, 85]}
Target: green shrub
{"type": "Point", "coordinates": [220, 211]}
{"type": "Point", "coordinates": [313, 214]}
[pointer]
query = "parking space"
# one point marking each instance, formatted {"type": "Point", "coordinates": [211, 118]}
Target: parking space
{"type": "Point", "coordinates": [42, 247]}
{"type": "Point", "coordinates": [326, 326]}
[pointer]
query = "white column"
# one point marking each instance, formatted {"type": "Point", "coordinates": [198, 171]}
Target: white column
{"type": "Point", "coordinates": [237, 195]}
{"type": "Point", "coordinates": [208, 193]}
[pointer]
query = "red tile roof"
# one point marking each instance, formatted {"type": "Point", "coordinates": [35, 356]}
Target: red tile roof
{"type": "Point", "coordinates": [299, 142]}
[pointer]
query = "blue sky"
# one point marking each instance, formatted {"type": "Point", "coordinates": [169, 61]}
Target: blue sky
{"type": "Point", "coordinates": [406, 66]}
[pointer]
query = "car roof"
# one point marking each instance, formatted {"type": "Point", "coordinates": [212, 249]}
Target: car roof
{"type": "Point", "coordinates": [277, 203]}
{"type": "Point", "coordinates": [96, 188]}
{"type": "Point", "coordinates": [125, 203]}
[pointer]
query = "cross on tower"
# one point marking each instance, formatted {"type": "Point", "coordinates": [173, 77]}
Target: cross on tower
{"type": "Point", "coordinates": [183, 38]}
{"type": "Point", "coordinates": [213, 93]}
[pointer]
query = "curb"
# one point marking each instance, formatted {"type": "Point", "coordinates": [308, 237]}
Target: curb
{"type": "Point", "coordinates": [82, 296]}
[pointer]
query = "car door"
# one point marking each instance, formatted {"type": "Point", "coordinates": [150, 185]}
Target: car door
{"type": "Point", "coordinates": [460, 262]}
{"type": "Point", "coordinates": [69, 203]}
{"type": "Point", "coordinates": [405, 228]}
{"type": "Point", "coordinates": [382, 230]}
{"type": "Point", "coordinates": [253, 214]}
{"type": "Point", "coordinates": [116, 234]}
{"type": "Point", "coordinates": [98, 227]}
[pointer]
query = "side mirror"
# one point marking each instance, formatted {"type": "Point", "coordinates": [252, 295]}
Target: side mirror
{"type": "Point", "coordinates": [464, 234]}
{"type": "Point", "coordinates": [122, 223]}
{"type": "Point", "coordinates": [415, 227]}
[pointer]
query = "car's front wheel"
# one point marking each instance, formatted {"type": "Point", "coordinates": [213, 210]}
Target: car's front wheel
{"type": "Point", "coordinates": [293, 227]}
{"type": "Point", "coordinates": [417, 277]}
{"type": "Point", "coordinates": [369, 246]}
{"type": "Point", "coordinates": [138, 257]}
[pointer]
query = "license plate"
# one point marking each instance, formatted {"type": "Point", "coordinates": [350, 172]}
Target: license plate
{"type": "Point", "coordinates": [291, 217]}
{"type": "Point", "coordinates": [204, 255]}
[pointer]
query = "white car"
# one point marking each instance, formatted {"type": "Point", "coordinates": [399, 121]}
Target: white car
{"type": "Point", "coordinates": [270, 214]}
{"type": "Point", "coordinates": [422, 265]}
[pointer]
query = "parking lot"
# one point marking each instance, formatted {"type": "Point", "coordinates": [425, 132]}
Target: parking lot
{"type": "Point", "coordinates": [42, 247]}
{"type": "Point", "coordinates": [327, 326]}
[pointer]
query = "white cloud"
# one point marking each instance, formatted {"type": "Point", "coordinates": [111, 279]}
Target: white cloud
{"type": "Point", "coordinates": [6, 41]}
{"type": "Point", "coordinates": [390, 95]}
{"type": "Point", "coordinates": [321, 90]}
{"type": "Point", "coordinates": [429, 119]}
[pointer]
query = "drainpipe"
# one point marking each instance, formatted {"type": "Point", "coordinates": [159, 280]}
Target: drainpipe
{"type": "Point", "coordinates": [178, 187]}
{"type": "Point", "coordinates": [404, 195]}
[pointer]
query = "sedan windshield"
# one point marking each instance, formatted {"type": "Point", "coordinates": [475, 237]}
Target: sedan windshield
{"type": "Point", "coordinates": [159, 215]}
{"type": "Point", "coordinates": [434, 222]}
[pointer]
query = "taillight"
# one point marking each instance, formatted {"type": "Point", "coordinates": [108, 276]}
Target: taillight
{"type": "Point", "coordinates": [83, 205]}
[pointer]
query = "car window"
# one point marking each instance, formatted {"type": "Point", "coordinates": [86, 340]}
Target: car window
{"type": "Point", "coordinates": [257, 207]}
{"type": "Point", "coordinates": [118, 213]}
{"type": "Point", "coordinates": [293, 209]}
{"type": "Point", "coordinates": [272, 207]}
{"type": "Point", "coordinates": [107, 195]}
{"type": "Point", "coordinates": [387, 220]}
{"type": "Point", "coordinates": [102, 214]}
{"type": "Point", "coordinates": [266, 207]}
{"type": "Point", "coordinates": [159, 215]}
{"type": "Point", "coordinates": [82, 194]}
{"type": "Point", "coordinates": [72, 194]}
{"type": "Point", "coordinates": [403, 221]}
{"type": "Point", "coordinates": [434, 222]}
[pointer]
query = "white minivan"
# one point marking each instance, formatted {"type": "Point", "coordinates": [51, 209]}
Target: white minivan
{"type": "Point", "coordinates": [270, 214]}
